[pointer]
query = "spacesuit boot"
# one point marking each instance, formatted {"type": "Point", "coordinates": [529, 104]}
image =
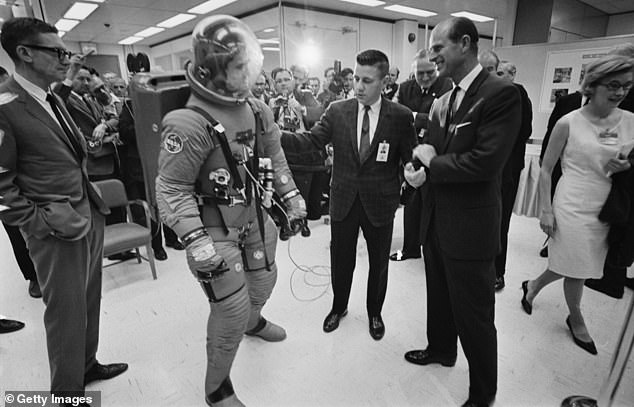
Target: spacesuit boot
{"type": "Point", "coordinates": [224, 396]}
{"type": "Point", "coordinates": [268, 331]}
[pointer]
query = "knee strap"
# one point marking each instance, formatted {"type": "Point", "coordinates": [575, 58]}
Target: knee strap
{"type": "Point", "coordinates": [222, 392]}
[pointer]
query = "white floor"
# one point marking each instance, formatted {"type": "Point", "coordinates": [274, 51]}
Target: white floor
{"type": "Point", "coordinates": [158, 327]}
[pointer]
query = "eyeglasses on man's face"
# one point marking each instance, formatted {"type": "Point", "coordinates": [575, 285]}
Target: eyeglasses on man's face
{"type": "Point", "coordinates": [61, 52]}
{"type": "Point", "coordinates": [614, 86]}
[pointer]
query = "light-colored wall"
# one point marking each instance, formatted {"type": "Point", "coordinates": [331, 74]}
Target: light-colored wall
{"type": "Point", "coordinates": [531, 64]}
{"type": "Point", "coordinates": [621, 24]}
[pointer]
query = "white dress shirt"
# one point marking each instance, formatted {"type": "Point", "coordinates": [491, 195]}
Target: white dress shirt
{"type": "Point", "coordinates": [373, 114]}
{"type": "Point", "coordinates": [464, 85]}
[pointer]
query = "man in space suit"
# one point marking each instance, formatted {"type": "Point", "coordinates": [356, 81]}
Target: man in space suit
{"type": "Point", "coordinates": [207, 190]}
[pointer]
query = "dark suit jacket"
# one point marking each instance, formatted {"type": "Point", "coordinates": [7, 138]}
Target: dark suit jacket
{"type": "Point", "coordinates": [376, 183]}
{"type": "Point", "coordinates": [563, 106]}
{"type": "Point", "coordinates": [462, 191]}
{"type": "Point", "coordinates": [411, 95]}
{"type": "Point", "coordinates": [102, 162]}
{"type": "Point", "coordinates": [515, 163]}
{"type": "Point", "coordinates": [314, 109]}
{"type": "Point", "coordinates": [45, 188]}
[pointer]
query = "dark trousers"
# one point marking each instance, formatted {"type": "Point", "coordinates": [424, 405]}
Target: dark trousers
{"type": "Point", "coordinates": [69, 273]}
{"type": "Point", "coordinates": [343, 258]}
{"type": "Point", "coordinates": [310, 185]}
{"type": "Point", "coordinates": [20, 252]}
{"type": "Point", "coordinates": [509, 191]}
{"type": "Point", "coordinates": [411, 224]}
{"type": "Point", "coordinates": [461, 304]}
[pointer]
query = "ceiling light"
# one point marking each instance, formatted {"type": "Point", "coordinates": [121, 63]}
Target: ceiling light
{"type": "Point", "coordinates": [61, 33]}
{"type": "Point", "coordinates": [206, 7]}
{"type": "Point", "coordinates": [411, 10]}
{"type": "Point", "coordinates": [65, 25]}
{"type": "Point", "coordinates": [268, 30]}
{"type": "Point", "coordinates": [269, 41]}
{"type": "Point", "coordinates": [270, 49]}
{"type": "Point", "coordinates": [130, 40]}
{"type": "Point", "coordinates": [369, 3]}
{"type": "Point", "coordinates": [472, 16]}
{"type": "Point", "coordinates": [80, 11]}
{"type": "Point", "coordinates": [176, 20]}
{"type": "Point", "coordinates": [149, 32]}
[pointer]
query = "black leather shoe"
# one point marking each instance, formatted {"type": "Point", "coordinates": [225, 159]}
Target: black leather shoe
{"type": "Point", "coordinates": [499, 283]}
{"type": "Point", "coordinates": [305, 230]}
{"type": "Point", "coordinates": [470, 403]}
{"type": "Point", "coordinates": [34, 289]}
{"type": "Point", "coordinates": [104, 372]}
{"type": "Point", "coordinates": [424, 357]}
{"type": "Point", "coordinates": [160, 254]}
{"type": "Point", "coordinates": [377, 328]}
{"type": "Point", "coordinates": [579, 401]}
{"type": "Point", "coordinates": [177, 245]}
{"type": "Point", "coordinates": [123, 256]}
{"type": "Point", "coordinates": [400, 256]}
{"type": "Point", "coordinates": [332, 320]}
{"type": "Point", "coordinates": [587, 346]}
{"type": "Point", "coordinates": [9, 325]}
{"type": "Point", "coordinates": [527, 306]}
{"type": "Point", "coordinates": [543, 252]}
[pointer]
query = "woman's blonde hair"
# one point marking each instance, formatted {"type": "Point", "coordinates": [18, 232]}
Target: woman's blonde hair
{"type": "Point", "coordinates": [607, 65]}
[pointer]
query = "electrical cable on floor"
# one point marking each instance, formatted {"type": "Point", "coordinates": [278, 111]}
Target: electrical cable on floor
{"type": "Point", "coordinates": [309, 271]}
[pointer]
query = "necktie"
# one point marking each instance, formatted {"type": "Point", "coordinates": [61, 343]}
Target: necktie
{"type": "Point", "coordinates": [364, 144]}
{"type": "Point", "coordinates": [450, 109]}
{"type": "Point", "coordinates": [62, 122]}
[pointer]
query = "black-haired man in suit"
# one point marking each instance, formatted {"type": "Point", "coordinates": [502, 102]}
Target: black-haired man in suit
{"type": "Point", "coordinates": [471, 134]}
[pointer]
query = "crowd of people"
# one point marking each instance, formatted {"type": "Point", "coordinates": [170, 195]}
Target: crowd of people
{"type": "Point", "coordinates": [448, 143]}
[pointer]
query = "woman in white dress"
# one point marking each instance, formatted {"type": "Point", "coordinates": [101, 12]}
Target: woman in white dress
{"type": "Point", "coordinates": [593, 143]}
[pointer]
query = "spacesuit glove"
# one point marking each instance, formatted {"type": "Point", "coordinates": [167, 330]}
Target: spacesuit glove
{"type": "Point", "coordinates": [202, 258]}
{"type": "Point", "coordinates": [296, 208]}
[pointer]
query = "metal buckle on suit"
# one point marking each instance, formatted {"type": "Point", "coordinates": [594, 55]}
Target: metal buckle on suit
{"type": "Point", "coordinates": [230, 201]}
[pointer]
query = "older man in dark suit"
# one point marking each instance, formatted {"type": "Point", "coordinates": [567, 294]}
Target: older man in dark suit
{"type": "Point", "coordinates": [44, 189]}
{"type": "Point", "coordinates": [371, 136]}
{"type": "Point", "coordinates": [471, 134]}
{"type": "Point", "coordinates": [417, 94]}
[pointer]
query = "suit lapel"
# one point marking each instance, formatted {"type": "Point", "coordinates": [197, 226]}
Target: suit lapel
{"type": "Point", "coordinates": [37, 111]}
{"type": "Point", "coordinates": [80, 105]}
{"type": "Point", "coordinates": [470, 98]}
{"type": "Point", "coordinates": [352, 112]}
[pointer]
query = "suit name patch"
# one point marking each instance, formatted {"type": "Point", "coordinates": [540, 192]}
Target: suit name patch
{"type": "Point", "coordinates": [383, 152]}
{"type": "Point", "coordinates": [173, 143]}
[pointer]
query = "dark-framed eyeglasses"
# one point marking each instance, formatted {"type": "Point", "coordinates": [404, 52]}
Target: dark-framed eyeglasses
{"type": "Point", "coordinates": [61, 52]}
{"type": "Point", "coordinates": [614, 86]}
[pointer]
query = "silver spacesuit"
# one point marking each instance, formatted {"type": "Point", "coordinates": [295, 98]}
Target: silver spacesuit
{"type": "Point", "coordinates": [208, 191]}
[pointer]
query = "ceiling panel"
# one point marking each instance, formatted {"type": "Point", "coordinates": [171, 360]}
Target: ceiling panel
{"type": "Point", "coordinates": [126, 17]}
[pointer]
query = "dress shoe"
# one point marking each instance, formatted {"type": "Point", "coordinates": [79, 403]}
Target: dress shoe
{"type": "Point", "coordinates": [9, 325]}
{"type": "Point", "coordinates": [123, 256]}
{"type": "Point", "coordinates": [332, 320]}
{"type": "Point", "coordinates": [160, 254]}
{"type": "Point", "coordinates": [629, 283]}
{"type": "Point", "coordinates": [104, 372]}
{"type": "Point", "coordinates": [400, 256]}
{"type": "Point", "coordinates": [377, 328]}
{"type": "Point", "coordinates": [177, 245]}
{"type": "Point", "coordinates": [34, 289]}
{"type": "Point", "coordinates": [543, 252]}
{"type": "Point", "coordinates": [499, 283]}
{"type": "Point", "coordinates": [579, 401]}
{"type": "Point", "coordinates": [305, 230]}
{"type": "Point", "coordinates": [424, 357]}
{"type": "Point", "coordinates": [268, 331]}
{"type": "Point", "coordinates": [470, 403]}
{"type": "Point", "coordinates": [527, 306]}
{"type": "Point", "coordinates": [587, 346]}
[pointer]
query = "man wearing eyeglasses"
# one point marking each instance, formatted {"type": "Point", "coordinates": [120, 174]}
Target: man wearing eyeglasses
{"type": "Point", "coordinates": [44, 189]}
{"type": "Point", "coordinates": [418, 94]}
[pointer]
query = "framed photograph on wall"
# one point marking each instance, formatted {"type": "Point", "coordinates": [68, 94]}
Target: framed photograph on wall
{"type": "Point", "coordinates": [564, 73]}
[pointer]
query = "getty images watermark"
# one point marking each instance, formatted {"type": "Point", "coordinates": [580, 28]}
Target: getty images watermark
{"type": "Point", "coordinates": [46, 399]}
